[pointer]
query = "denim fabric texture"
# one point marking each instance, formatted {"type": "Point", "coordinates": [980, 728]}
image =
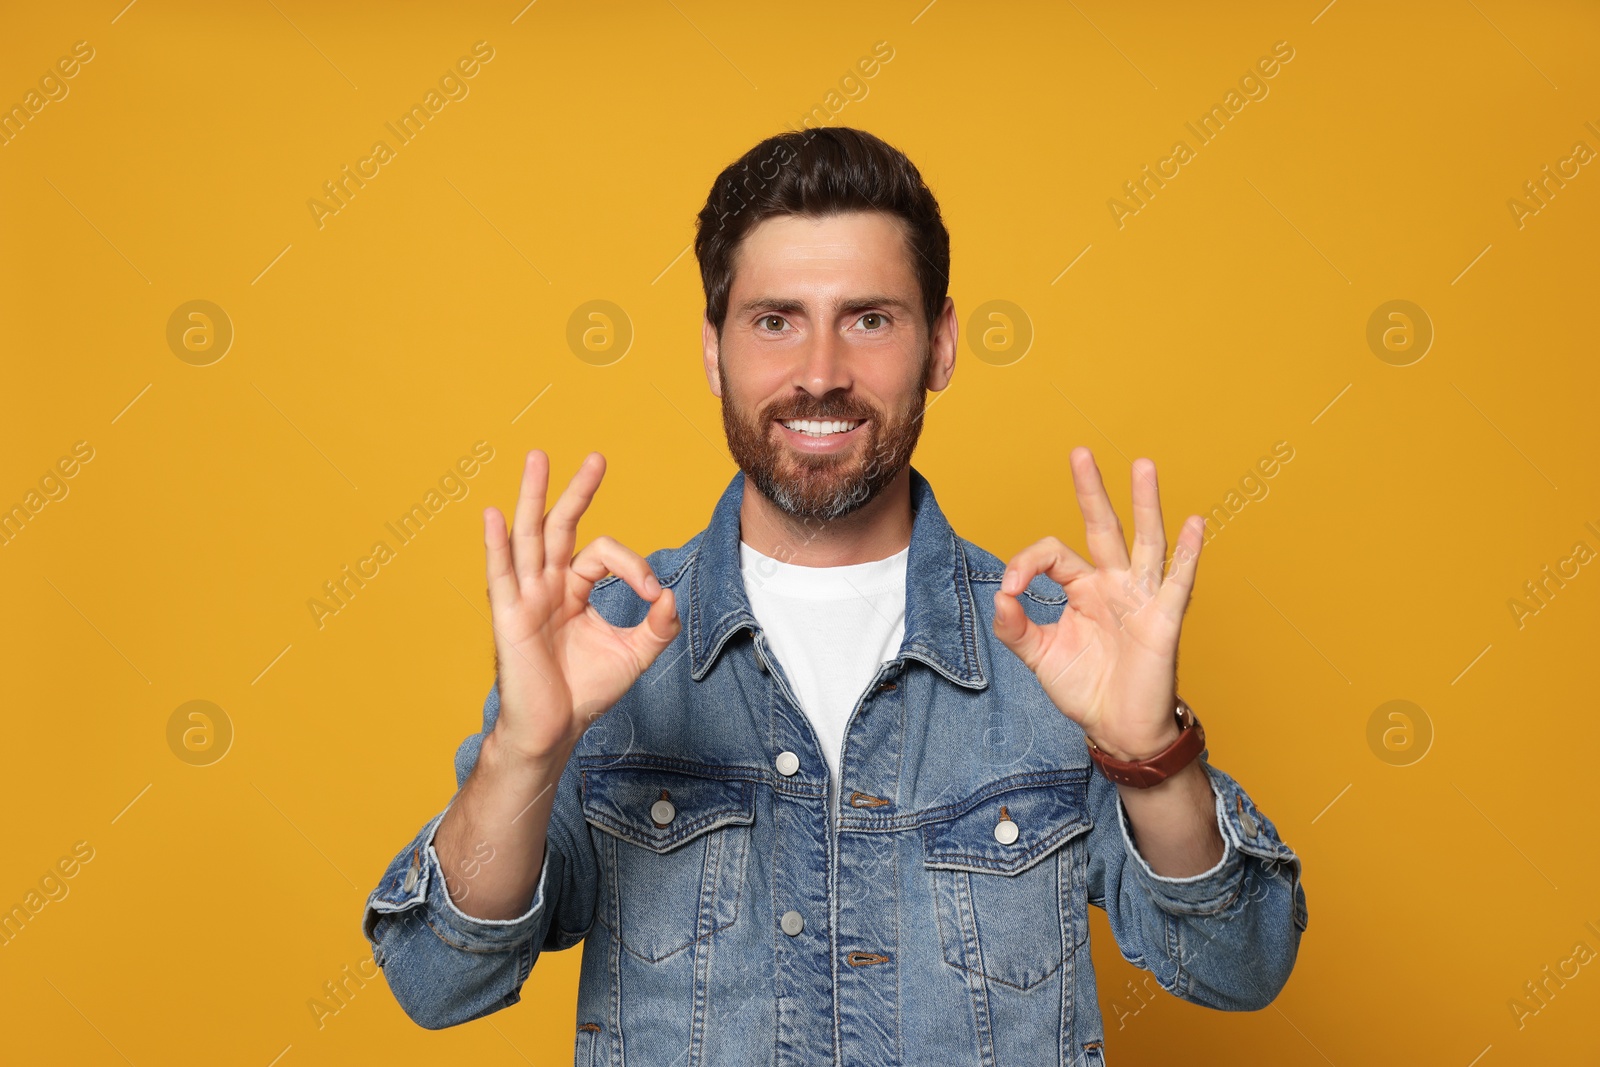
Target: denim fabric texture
{"type": "Point", "coordinates": [914, 933]}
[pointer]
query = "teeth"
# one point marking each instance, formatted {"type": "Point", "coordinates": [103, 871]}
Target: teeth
{"type": "Point", "coordinates": [821, 427]}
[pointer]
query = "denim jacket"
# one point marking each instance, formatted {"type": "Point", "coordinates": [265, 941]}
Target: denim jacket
{"type": "Point", "coordinates": [743, 923]}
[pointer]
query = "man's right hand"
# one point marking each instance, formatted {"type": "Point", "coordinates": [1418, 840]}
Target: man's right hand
{"type": "Point", "coordinates": [559, 663]}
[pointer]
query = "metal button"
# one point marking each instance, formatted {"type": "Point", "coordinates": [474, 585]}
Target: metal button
{"type": "Point", "coordinates": [1005, 831]}
{"type": "Point", "coordinates": [787, 763]}
{"type": "Point", "coordinates": [1249, 823]}
{"type": "Point", "coordinates": [411, 881]}
{"type": "Point", "coordinates": [662, 811]}
{"type": "Point", "coordinates": [792, 922]}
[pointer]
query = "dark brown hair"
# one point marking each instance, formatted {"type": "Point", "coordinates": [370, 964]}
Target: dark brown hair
{"type": "Point", "coordinates": [816, 173]}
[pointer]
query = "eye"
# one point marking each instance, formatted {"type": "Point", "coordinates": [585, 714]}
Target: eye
{"type": "Point", "coordinates": [874, 321]}
{"type": "Point", "coordinates": [766, 320]}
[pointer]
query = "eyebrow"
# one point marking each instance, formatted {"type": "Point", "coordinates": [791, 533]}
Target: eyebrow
{"type": "Point", "coordinates": [790, 305]}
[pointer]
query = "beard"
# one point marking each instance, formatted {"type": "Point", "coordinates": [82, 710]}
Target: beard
{"type": "Point", "coordinates": [817, 487]}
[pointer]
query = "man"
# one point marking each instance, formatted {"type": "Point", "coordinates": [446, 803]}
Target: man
{"type": "Point", "coordinates": [817, 786]}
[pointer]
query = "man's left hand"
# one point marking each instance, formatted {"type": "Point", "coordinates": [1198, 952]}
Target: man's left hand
{"type": "Point", "coordinates": [1110, 662]}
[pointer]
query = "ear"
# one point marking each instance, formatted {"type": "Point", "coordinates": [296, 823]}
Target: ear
{"type": "Point", "coordinates": [712, 353]}
{"type": "Point", "coordinates": [945, 333]}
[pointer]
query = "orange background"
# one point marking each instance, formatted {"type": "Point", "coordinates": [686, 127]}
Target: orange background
{"type": "Point", "coordinates": [431, 312]}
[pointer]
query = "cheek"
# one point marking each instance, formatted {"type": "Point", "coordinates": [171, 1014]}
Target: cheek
{"type": "Point", "coordinates": [890, 394]}
{"type": "Point", "coordinates": [758, 389]}
{"type": "Point", "coordinates": [752, 402]}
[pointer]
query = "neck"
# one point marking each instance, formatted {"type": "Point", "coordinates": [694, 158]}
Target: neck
{"type": "Point", "coordinates": [876, 530]}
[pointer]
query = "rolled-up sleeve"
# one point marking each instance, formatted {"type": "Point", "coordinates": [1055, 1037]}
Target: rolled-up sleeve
{"type": "Point", "coordinates": [446, 967]}
{"type": "Point", "coordinates": [1227, 937]}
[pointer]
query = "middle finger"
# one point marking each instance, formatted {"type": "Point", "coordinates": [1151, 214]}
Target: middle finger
{"type": "Point", "coordinates": [1149, 536]}
{"type": "Point", "coordinates": [1102, 529]}
{"type": "Point", "coordinates": [527, 539]}
{"type": "Point", "coordinates": [561, 525]}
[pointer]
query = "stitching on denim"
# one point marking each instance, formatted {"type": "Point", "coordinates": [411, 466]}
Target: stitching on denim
{"type": "Point", "coordinates": [911, 821]}
{"type": "Point", "coordinates": [613, 880]}
{"type": "Point", "coordinates": [755, 775]}
{"type": "Point", "coordinates": [1001, 787]}
{"type": "Point", "coordinates": [689, 830]}
{"type": "Point", "coordinates": [619, 1050]}
{"type": "Point", "coordinates": [711, 879]}
{"type": "Point", "coordinates": [996, 577]}
{"type": "Point", "coordinates": [694, 768]}
{"type": "Point", "coordinates": [969, 612]}
{"type": "Point", "coordinates": [966, 918]}
{"type": "Point", "coordinates": [1030, 858]}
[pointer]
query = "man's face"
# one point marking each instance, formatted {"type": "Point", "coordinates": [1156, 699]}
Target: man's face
{"type": "Point", "coordinates": [825, 325]}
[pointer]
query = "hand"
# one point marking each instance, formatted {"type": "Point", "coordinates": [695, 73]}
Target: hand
{"type": "Point", "coordinates": [559, 663]}
{"type": "Point", "coordinates": [1110, 662]}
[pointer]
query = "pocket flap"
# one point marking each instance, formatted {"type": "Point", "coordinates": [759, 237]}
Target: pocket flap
{"type": "Point", "coordinates": [1047, 810]}
{"type": "Point", "coordinates": [619, 800]}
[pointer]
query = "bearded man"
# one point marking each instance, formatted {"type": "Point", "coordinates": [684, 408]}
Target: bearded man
{"type": "Point", "coordinates": [828, 783]}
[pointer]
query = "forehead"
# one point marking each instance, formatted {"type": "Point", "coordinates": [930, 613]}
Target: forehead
{"type": "Point", "coordinates": [835, 252]}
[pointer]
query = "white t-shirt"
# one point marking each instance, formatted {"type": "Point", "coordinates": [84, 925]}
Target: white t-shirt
{"type": "Point", "coordinates": [830, 628]}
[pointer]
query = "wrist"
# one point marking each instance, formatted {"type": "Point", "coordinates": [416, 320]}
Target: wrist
{"type": "Point", "coordinates": [503, 757]}
{"type": "Point", "coordinates": [1178, 782]}
{"type": "Point", "coordinates": [1143, 749]}
{"type": "Point", "coordinates": [1149, 768]}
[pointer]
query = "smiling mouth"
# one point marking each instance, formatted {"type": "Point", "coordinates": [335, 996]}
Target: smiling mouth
{"type": "Point", "coordinates": [820, 427]}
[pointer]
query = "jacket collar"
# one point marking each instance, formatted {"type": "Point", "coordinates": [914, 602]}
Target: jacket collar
{"type": "Point", "coordinates": [941, 618]}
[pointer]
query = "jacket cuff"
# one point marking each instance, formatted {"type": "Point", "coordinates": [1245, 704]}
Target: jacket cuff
{"type": "Point", "coordinates": [414, 887]}
{"type": "Point", "coordinates": [1243, 830]}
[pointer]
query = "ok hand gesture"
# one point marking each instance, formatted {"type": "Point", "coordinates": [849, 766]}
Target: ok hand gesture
{"type": "Point", "coordinates": [559, 662]}
{"type": "Point", "coordinates": [1110, 662]}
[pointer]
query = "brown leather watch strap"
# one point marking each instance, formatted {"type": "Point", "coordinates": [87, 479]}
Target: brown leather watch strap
{"type": "Point", "coordinates": [1142, 774]}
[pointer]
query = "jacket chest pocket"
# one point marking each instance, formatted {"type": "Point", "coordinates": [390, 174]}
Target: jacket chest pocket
{"type": "Point", "coordinates": [1007, 871]}
{"type": "Point", "coordinates": [672, 852]}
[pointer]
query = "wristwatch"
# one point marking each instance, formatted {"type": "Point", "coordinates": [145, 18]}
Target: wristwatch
{"type": "Point", "coordinates": [1144, 773]}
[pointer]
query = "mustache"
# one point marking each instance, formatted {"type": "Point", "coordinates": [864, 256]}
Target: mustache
{"type": "Point", "coordinates": [824, 414]}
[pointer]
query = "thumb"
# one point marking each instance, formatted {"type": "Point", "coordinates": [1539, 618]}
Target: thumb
{"type": "Point", "coordinates": [1015, 630]}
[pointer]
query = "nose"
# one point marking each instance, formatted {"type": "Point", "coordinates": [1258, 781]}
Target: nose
{"type": "Point", "coordinates": [824, 364]}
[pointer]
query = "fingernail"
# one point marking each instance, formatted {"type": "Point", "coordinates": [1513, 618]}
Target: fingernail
{"type": "Point", "coordinates": [652, 585]}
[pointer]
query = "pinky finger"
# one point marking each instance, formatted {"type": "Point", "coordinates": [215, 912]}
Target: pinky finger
{"type": "Point", "coordinates": [502, 577]}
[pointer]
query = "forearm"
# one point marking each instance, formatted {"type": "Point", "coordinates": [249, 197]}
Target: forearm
{"type": "Point", "coordinates": [1174, 823]}
{"type": "Point", "coordinates": [1225, 936]}
{"type": "Point", "coordinates": [491, 841]}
